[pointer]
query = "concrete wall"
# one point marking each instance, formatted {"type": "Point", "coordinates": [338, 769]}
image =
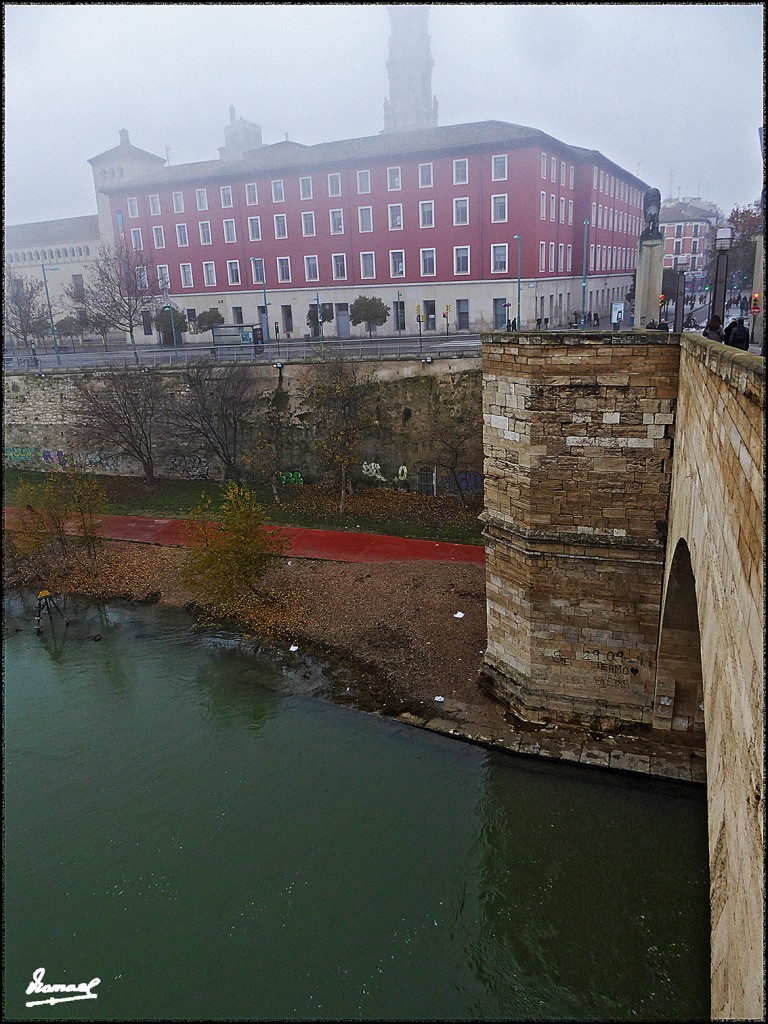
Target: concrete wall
{"type": "Point", "coordinates": [716, 515]}
{"type": "Point", "coordinates": [578, 437]}
{"type": "Point", "coordinates": [39, 412]}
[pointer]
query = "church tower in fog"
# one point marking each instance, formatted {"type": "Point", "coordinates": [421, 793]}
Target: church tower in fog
{"type": "Point", "coordinates": [411, 104]}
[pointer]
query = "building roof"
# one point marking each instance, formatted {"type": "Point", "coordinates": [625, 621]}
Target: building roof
{"type": "Point", "coordinates": [682, 211]}
{"type": "Point", "coordinates": [292, 156]}
{"type": "Point", "coordinates": [52, 232]}
{"type": "Point", "coordinates": [126, 148]}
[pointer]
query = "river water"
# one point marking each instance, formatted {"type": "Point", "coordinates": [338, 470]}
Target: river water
{"type": "Point", "coordinates": [189, 821]}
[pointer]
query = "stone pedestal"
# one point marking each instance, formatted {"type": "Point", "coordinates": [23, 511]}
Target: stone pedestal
{"type": "Point", "coordinates": [650, 267]}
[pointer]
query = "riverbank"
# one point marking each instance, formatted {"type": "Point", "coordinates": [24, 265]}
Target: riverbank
{"type": "Point", "coordinates": [400, 639]}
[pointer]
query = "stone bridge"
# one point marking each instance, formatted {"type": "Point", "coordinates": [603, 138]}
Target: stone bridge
{"type": "Point", "coordinates": [624, 483]}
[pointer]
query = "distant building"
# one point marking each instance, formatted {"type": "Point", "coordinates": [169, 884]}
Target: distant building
{"type": "Point", "coordinates": [688, 226]}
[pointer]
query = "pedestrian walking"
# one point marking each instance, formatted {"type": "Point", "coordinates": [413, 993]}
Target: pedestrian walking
{"type": "Point", "coordinates": [597, 320]}
{"type": "Point", "coordinates": [739, 335]}
{"type": "Point", "coordinates": [714, 330]}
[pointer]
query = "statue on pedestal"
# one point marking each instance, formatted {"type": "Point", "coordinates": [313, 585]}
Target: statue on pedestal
{"type": "Point", "coordinates": [651, 211]}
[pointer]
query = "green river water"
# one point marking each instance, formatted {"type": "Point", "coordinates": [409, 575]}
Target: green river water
{"type": "Point", "coordinates": [187, 820]}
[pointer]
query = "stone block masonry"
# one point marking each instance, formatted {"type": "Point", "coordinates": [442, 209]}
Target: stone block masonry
{"type": "Point", "coordinates": [578, 434]}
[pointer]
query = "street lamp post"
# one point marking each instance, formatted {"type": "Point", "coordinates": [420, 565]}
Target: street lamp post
{"type": "Point", "coordinates": [584, 277]}
{"type": "Point", "coordinates": [683, 263]}
{"type": "Point", "coordinates": [169, 308]}
{"type": "Point", "coordinates": [50, 315]}
{"type": "Point", "coordinates": [722, 248]}
{"type": "Point", "coordinates": [519, 245]}
{"type": "Point", "coordinates": [399, 321]}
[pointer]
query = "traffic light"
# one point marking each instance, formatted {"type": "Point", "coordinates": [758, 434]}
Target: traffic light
{"type": "Point", "coordinates": [756, 299]}
{"type": "Point", "coordinates": [661, 300]}
{"type": "Point", "coordinates": [418, 309]}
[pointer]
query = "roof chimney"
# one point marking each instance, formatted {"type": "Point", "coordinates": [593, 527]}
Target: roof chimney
{"type": "Point", "coordinates": [231, 115]}
{"type": "Point", "coordinates": [123, 136]}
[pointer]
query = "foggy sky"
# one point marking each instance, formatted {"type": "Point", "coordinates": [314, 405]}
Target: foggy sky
{"type": "Point", "coordinates": [658, 89]}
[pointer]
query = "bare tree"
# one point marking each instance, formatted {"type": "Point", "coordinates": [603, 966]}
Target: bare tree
{"type": "Point", "coordinates": [121, 285]}
{"type": "Point", "coordinates": [452, 436]}
{"type": "Point", "coordinates": [125, 410]}
{"type": "Point", "coordinates": [339, 393]}
{"type": "Point", "coordinates": [266, 459]}
{"type": "Point", "coordinates": [24, 307]}
{"type": "Point", "coordinates": [211, 411]}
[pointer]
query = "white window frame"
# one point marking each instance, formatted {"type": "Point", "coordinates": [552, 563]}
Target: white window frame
{"type": "Point", "coordinates": [209, 270]}
{"type": "Point", "coordinates": [163, 276]}
{"type": "Point", "coordinates": [551, 257]}
{"type": "Point", "coordinates": [254, 229]}
{"type": "Point", "coordinates": [591, 257]}
{"type": "Point", "coordinates": [569, 259]}
{"type": "Point", "coordinates": [422, 175]}
{"type": "Point", "coordinates": [552, 208]}
{"type": "Point", "coordinates": [542, 256]}
{"type": "Point", "coordinates": [133, 207]}
{"type": "Point", "coordinates": [258, 261]}
{"type": "Point", "coordinates": [494, 175]}
{"type": "Point", "coordinates": [424, 206]}
{"type": "Point", "coordinates": [339, 230]}
{"type": "Point", "coordinates": [339, 256]}
{"type": "Point", "coordinates": [186, 275]}
{"type": "Point", "coordinates": [142, 279]}
{"type": "Point", "coordinates": [181, 231]}
{"type": "Point", "coordinates": [251, 197]}
{"type": "Point", "coordinates": [307, 219]}
{"type": "Point", "coordinates": [225, 191]}
{"type": "Point", "coordinates": [307, 275]}
{"type": "Point", "coordinates": [286, 262]}
{"type": "Point", "coordinates": [562, 173]}
{"type": "Point", "coordinates": [422, 254]}
{"type": "Point", "coordinates": [553, 171]}
{"type": "Point", "coordinates": [363, 275]}
{"type": "Point", "coordinates": [561, 257]}
{"type": "Point", "coordinates": [457, 180]}
{"type": "Point", "coordinates": [562, 208]}
{"type": "Point", "coordinates": [494, 218]}
{"type": "Point", "coordinates": [392, 254]}
{"type": "Point", "coordinates": [229, 228]}
{"type": "Point", "coordinates": [543, 205]}
{"type": "Point", "coordinates": [394, 174]}
{"type": "Point", "coordinates": [363, 180]}
{"type": "Point", "coordinates": [570, 211]}
{"type": "Point", "coordinates": [306, 179]}
{"type": "Point", "coordinates": [505, 247]}
{"type": "Point", "coordinates": [544, 166]}
{"type": "Point", "coordinates": [136, 238]}
{"type": "Point", "coordinates": [460, 223]}
{"type": "Point", "coordinates": [280, 218]}
{"type": "Point", "coordinates": [201, 198]}
{"type": "Point", "coordinates": [360, 210]}
{"type": "Point", "coordinates": [205, 224]}
{"type": "Point", "coordinates": [456, 250]}
{"type": "Point", "coordinates": [158, 233]}
{"type": "Point", "coordinates": [236, 265]}
{"type": "Point", "coordinates": [335, 178]}
{"type": "Point", "coordinates": [278, 190]}
{"type": "Point", "coordinates": [154, 205]}
{"type": "Point", "coordinates": [178, 202]}
{"type": "Point", "coordinates": [392, 213]}
{"type": "Point", "coordinates": [571, 176]}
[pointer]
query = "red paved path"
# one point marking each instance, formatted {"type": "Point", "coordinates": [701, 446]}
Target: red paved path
{"type": "Point", "coordinates": [332, 545]}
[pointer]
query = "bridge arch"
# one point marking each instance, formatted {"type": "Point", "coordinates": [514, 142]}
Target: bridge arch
{"type": "Point", "coordinates": [679, 695]}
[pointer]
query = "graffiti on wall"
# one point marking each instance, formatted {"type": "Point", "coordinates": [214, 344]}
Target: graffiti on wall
{"type": "Point", "coordinates": [373, 470]}
{"type": "Point", "coordinates": [191, 467]}
{"type": "Point", "coordinates": [13, 455]}
{"type": "Point", "coordinates": [29, 457]}
{"type": "Point", "coordinates": [291, 477]}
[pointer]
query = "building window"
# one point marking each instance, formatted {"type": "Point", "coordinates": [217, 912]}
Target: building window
{"type": "Point", "coordinates": [230, 234]}
{"type": "Point", "coordinates": [427, 214]}
{"type": "Point", "coordinates": [201, 198]}
{"type": "Point", "coordinates": [552, 208]}
{"type": "Point", "coordinates": [570, 176]}
{"type": "Point", "coordinates": [552, 257]}
{"type": "Point", "coordinates": [365, 218]}
{"type": "Point", "coordinates": [305, 188]}
{"type": "Point", "coordinates": [499, 259]}
{"type": "Point", "coordinates": [363, 182]}
{"type": "Point", "coordinates": [257, 269]}
{"type": "Point", "coordinates": [695, 230]}
{"type": "Point", "coordinates": [209, 275]}
{"type": "Point", "coordinates": [141, 279]}
{"type": "Point", "coordinates": [163, 276]}
{"type": "Point", "coordinates": [310, 268]}
{"type": "Point", "coordinates": [334, 184]}
{"type": "Point", "coordinates": [570, 211]}
{"type": "Point", "coordinates": [543, 206]}
{"type": "Point", "coordinates": [460, 172]}
{"type": "Point", "coordinates": [254, 229]}
{"type": "Point", "coordinates": [367, 265]}
{"type": "Point", "coordinates": [339, 264]}
{"type": "Point", "coordinates": [397, 263]}
{"type": "Point", "coordinates": [278, 194]}
{"type": "Point", "coordinates": [186, 275]}
{"type": "Point", "coordinates": [600, 215]}
{"type": "Point", "coordinates": [136, 241]}
{"type": "Point", "coordinates": [205, 233]}
{"type": "Point", "coordinates": [594, 177]}
{"type": "Point", "coordinates": [427, 262]}
{"type": "Point", "coordinates": [569, 265]}
{"type": "Point", "coordinates": [561, 258]}
{"type": "Point", "coordinates": [678, 247]}
{"type": "Point", "coordinates": [499, 209]}
{"type": "Point", "coordinates": [462, 314]}
{"type": "Point", "coordinates": [233, 271]}
{"type": "Point", "coordinates": [393, 179]}
{"type": "Point", "coordinates": [158, 236]}
{"type": "Point", "coordinates": [425, 176]}
{"type": "Point", "coordinates": [694, 246]}
{"type": "Point", "coordinates": [562, 173]}
{"type": "Point", "coordinates": [251, 194]}
{"type": "Point", "coordinates": [562, 210]}
{"type": "Point", "coordinates": [336, 218]}
{"type": "Point", "coordinates": [154, 206]}
{"type": "Point", "coordinates": [461, 211]}
{"type": "Point", "coordinates": [308, 224]}
{"type": "Point", "coordinates": [133, 208]}
{"type": "Point", "coordinates": [678, 230]}
{"type": "Point", "coordinates": [226, 196]}
{"type": "Point", "coordinates": [461, 259]}
{"type": "Point", "coordinates": [281, 225]}
{"type": "Point", "coordinates": [284, 269]}
{"type": "Point", "coordinates": [287, 315]}
{"type": "Point", "coordinates": [499, 167]}
{"type": "Point", "coordinates": [553, 175]}
{"type": "Point", "coordinates": [178, 202]}
{"type": "Point", "coordinates": [395, 217]}
{"type": "Point", "coordinates": [542, 256]}
{"type": "Point", "coordinates": [181, 235]}
{"type": "Point", "coordinates": [544, 165]}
